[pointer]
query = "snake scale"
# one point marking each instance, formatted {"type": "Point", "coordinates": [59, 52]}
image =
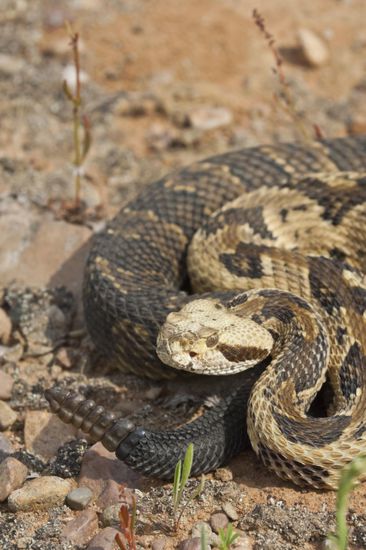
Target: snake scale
{"type": "Point", "coordinates": [276, 265]}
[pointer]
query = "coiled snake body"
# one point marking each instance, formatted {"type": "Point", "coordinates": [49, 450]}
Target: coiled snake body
{"type": "Point", "coordinates": [283, 268]}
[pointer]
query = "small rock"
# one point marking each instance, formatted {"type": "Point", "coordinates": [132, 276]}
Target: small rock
{"type": "Point", "coordinates": [5, 447]}
{"type": "Point", "coordinates": [153, 392]}
{"type": "Point", "coordinates": [218, 521]}
{"type": "Point", "coordinates": [5, 327]}
{"type": "Point", "coordinates": [63, 357]}
{"type": "Point", "coordinates": [159, 543]}
{"type": "Point", "coordinates": [37, 250]}
{"type": "Point", "coordinates": [40, 494]}
{"type": "Point", "coordinates": [80, 530]}
{"type": "Point", "coordinates": [223, 474]}
{"type": "Point", "coordinates": [103, 473]}
{"type": "Point", "coordinates": [7, 416]}
{"type": "Point", "coordinates": [230, 511]}
{"type": "Point", "coordinates": [110, 515]}
{"type": "Point", "coordinates": [11, 354]}
{"type": "Point", "coordinates": [12, 476]}
{"type": "Point", "coordinates": [43, 316]}
{"type": "Point", "coordinates": [242, 543]}
{"type": "Point", "coordinates": [207, 118]}
{"type": "Point", "coordinates": [192, 544]}
{"type": "Point", "coordinates": [313, 48]}
{"type": "Point", "coordinates": [6, 384]}
{"type": "Point", "coordinates": [104, 540]}
{"type": "Point", "coordinates": [197, 529]}
{"type": "Point", "coordinates": [79, 498]}
{"type": "Point", "coordinates": [44, 433]}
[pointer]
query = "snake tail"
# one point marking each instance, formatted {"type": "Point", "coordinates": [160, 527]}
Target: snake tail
{"type": "Point", "coordinates": [156, 453]}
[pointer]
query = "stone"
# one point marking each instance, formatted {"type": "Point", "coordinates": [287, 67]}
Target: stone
{"type": "Point", "coordinates": [223, 474]}
{"type": "Point", "coordinates": [314, 49]}
{"type": "Point", "coordinates": [192, 544]}
{"type": "Point", "coordinates": [79, 498]}
{"type": "Point", "coordinates": [159, 543]}
{"type": "Point", "coordinates": [7, 416]}
{"type": "Point", "coordinates": [242, 543]}
{"type": "Point", "coordinates": [197, 529]}
{"type": "Point", "coordinates": [6, 385]}
{"type": "Point", "coordinates": [5, 446]}
{"type": "Point", "coordinates": [11, 354]}
{"type": "Point", "coordinates": [110, 515]}
{"type": "Point", "coordinates": [104, 540]}
{"type": "Point", "coordinates": [63, 357]}
{"type": "Point", "coordinates": [43, 316]}
{"type": "Point", "coordinates": [40, 493]}
{"type": "Point", "coordinates": [80, 530]}
{"type": "Point", "coordinates": [218, 521]}
{"type": "Point", "coordinates": [208, 118]}
{"type": "Point", "coordinates": [103, 473]}
{"type": "Point", "coordinates": [37, 250]}
{"type": "Point", "coordinates": [230, 511]}
{"type": "Point", "coordinates": [12, 476]}
{"type": "Point", "coordinates": [44, 433]}
{"type": "Point", "coordinates": [5, 328]}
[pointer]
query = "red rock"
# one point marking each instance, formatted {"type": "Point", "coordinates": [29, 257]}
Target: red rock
{"type": "Point", "coordinates": [80, 530]}
{"type": "Point", "coordinates": [104, 540]}
{"type": "Point", "coordinates": [103, 473]}
{"type": "Point", "coordinates": [44, 433]}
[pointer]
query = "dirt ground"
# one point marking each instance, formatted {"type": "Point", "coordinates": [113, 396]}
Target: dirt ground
{"type": "Point", "coordinates": [166, 83]}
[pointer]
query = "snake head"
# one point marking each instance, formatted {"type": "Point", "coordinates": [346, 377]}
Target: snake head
{"type": "Point", "coordinates": [207, 338]}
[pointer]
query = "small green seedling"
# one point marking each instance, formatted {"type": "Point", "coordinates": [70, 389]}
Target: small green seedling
{"type": "Point", "coordinates": [181, 476]}
{"type": "Point", "coordinates": [203, 539]}
{"type": "Point", "coordinates": [227, 537]}
{"type": "Point", "coordinates": [350, 474]}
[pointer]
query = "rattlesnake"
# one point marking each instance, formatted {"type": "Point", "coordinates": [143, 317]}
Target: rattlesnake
{"type": "Point", "coordinates": [280, 258]}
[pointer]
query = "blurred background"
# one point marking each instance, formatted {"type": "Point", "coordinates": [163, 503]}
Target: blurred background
{"type": "Point", "coordinates": [166, 82]}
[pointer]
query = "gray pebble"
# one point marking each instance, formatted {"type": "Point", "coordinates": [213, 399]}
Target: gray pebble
{"type": "Point", "coordinates": [110, 515]}
{"type": "Point", "coordinates": [219, 521]}
{"type": "Point", "coordinates": [5, 446]}
{"type": "Point", "coordinates": [192, 544]}
{"type": "Point", "coordinates": [159, 543]}
{"type": "Point", "coordinates": [230, 511]}
{"type": "Point", "coordinates": [79, 498]}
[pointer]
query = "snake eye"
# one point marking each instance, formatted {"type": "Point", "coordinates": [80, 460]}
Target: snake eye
{"type": "Point", "coordinates": [212, 341]}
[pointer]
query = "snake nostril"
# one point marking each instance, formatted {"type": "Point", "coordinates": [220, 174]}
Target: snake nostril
{"type": "Point", "coordinates": [193, 354]}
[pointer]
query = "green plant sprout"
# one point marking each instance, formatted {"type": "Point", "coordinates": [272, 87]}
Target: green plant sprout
{"type": "Point", "coordinates": [227, 537]}
{"type": "Point", "coordinates": [181, 476]}
{"type": "Point", "coordinates": [81, 144]}
{"type": "Point", "coordinates": [203, 539]}
{"type": "Point", "coordinates": [350, 474]}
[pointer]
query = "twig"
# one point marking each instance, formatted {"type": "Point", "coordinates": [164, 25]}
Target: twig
{"type": "Point", "coordinates": [81, 145]}
{"type": "Point", "coordinates": [285, 99]}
